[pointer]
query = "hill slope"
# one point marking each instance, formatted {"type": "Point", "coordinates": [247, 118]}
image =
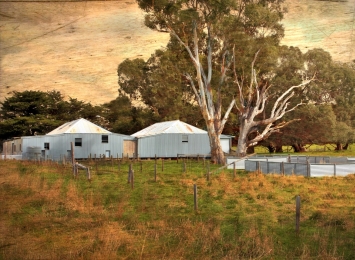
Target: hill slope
{"type": "Point", "coordinates": [75, 47]}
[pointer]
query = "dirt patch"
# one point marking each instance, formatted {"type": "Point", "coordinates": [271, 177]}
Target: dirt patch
{"type": "Point", "coordinates": [75, 47]}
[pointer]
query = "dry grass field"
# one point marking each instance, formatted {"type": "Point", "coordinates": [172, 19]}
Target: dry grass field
{"type": "Point", "coordinates": [45, 213]}
{"type": "Point", "coordinates": [75, 47]}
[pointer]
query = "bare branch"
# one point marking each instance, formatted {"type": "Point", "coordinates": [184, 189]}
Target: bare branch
{"type": "Point", "coordinates": [198, 97]}
{"type": "Point", "coordinates": [240, 89]}
{"type": "Point", "coordinates": [287, 92]}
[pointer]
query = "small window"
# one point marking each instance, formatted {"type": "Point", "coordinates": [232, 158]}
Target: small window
{"type": "Point", "coordinates": [46, 146]}
{"type": "Point", "coordinates": [104, 138]}
{"type": "Point", "coordinates": [78, 141]}
{"type": "Point", "coordinates": [185, 138]}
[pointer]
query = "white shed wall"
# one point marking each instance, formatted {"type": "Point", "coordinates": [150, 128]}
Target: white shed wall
{"type": "Point", "coordinates": [170, 145]}
{"type": "Point", "coordinates": [60, 145]}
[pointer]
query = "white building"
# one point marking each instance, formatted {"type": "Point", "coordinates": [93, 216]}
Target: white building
{"type": "Point", "coordinates": [174, 138]}
{"type": "Point", "coordinates": [88, 140]}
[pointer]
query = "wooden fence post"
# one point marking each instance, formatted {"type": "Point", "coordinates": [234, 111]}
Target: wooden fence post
{"type": "Point", "coordinates": [72, 156]}
{"type": "Point", "coordinates": [88, 174]}
{"type": "Point", "coordinates": [195, 197]}
{"type": "Point", "coordinates": [234, 170]}
{"type": "Point", "coordinates": [129, 173]}
{"type": "Point", "coordinates": [335, 170]}
{"type": "Point", "coordinates": [258, 167]}
{"type": "Point", "coordinates": [282, 169]}
{"type": "Point", "coordinates": [155, 172]}
{"type": "Point", "coordinates": [132, 179]}
{"type": "Point", "coordinates": [208, 172]}
{"type": "Point", "coordinates": [298, 213]}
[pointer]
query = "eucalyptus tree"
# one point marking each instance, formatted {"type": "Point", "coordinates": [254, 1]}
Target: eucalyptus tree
{"type": "Point", "coordinates": [157, 85]}
{"type": "Point", "coordinates": [224, 40]}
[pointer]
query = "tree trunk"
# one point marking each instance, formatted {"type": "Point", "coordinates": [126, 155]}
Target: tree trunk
{"type": "Point", "coordinates": [243, 138]}
{"type": "Point", "coordinates": [297, 148]}
{"type": "Point", "coordinates": [271, 147]}
{"type": "Point", "coordinates": [250, 150]}
{"type": "Point", "coordinates": [279, 149]}
{"type": "Point", "coordinates": [217, 154]}
{"type": "Point", "coordinates": [339, 147]}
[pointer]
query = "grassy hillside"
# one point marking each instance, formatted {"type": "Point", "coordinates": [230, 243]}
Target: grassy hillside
{"type": "Point", "coordinates": [75, 46]}
{"type": "Point", "coordinates": [47, 214]}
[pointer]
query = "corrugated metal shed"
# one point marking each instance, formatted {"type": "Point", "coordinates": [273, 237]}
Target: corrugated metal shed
{"type": "Point", "coordinates": [173, 138]}
{"type": "Point", "coordinates": [169, 127]}
{"type": "Point", "coordinates": [87, 138]}
{"type": "Point", "coordinates": [81, 126]}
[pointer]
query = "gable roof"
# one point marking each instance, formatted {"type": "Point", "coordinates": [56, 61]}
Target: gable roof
{"type": "Point", "coordinates": [175, 126]}
{"type": "Point", "coordinates": [79, 126]}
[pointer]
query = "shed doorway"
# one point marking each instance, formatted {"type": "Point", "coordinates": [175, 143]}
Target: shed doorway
{"type": "Point", "coordinates": [130, 148]}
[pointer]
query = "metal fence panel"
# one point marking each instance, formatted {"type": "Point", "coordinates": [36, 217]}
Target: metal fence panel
{"type": "Point", "coordinates": [268, 165]}
{"type": "Point", "coordinates": [274, 167]}
{"type": "Point", "coordinates": [240, 163]}
{"type": "Point", "coordinates": [350, 160]}
{"type": "Point", "coordinates": [298, 159]}
{"type": "Point", "coordinates": [321, 170]}
{"type": "Point", "coordinates": [338, 160]}
{"type": "Point", "coordinates": [250, 166]}
{"type": "Point", "coordinates": [272, 159]}
{"type": "Point", "coordinates": [319, 159]}
{"type": "Point", "coordinates": [289, 168]}
{"type": "Point", "coordinates": [263, 166]}
{"type": "Point", "coordinates": [344, 169]}
{"type": "Point", "coordinates": [301, 169]}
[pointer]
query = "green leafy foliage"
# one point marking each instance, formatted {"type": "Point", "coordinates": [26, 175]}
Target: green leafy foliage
{"type": "Point", "coordinates": [35, 112]}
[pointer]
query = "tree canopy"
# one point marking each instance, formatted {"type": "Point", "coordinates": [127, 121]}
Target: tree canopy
{"type": "Point", "coordinates": [36, 112]}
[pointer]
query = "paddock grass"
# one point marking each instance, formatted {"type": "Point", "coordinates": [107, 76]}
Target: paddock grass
{"type": "Point", "coordinates": [46, 213]}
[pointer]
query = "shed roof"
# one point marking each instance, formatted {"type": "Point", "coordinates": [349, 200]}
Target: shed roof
{"type": "Point", "coordinates": [79, 126]}
{"type": "Point", "coordinates": [175, 126]}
